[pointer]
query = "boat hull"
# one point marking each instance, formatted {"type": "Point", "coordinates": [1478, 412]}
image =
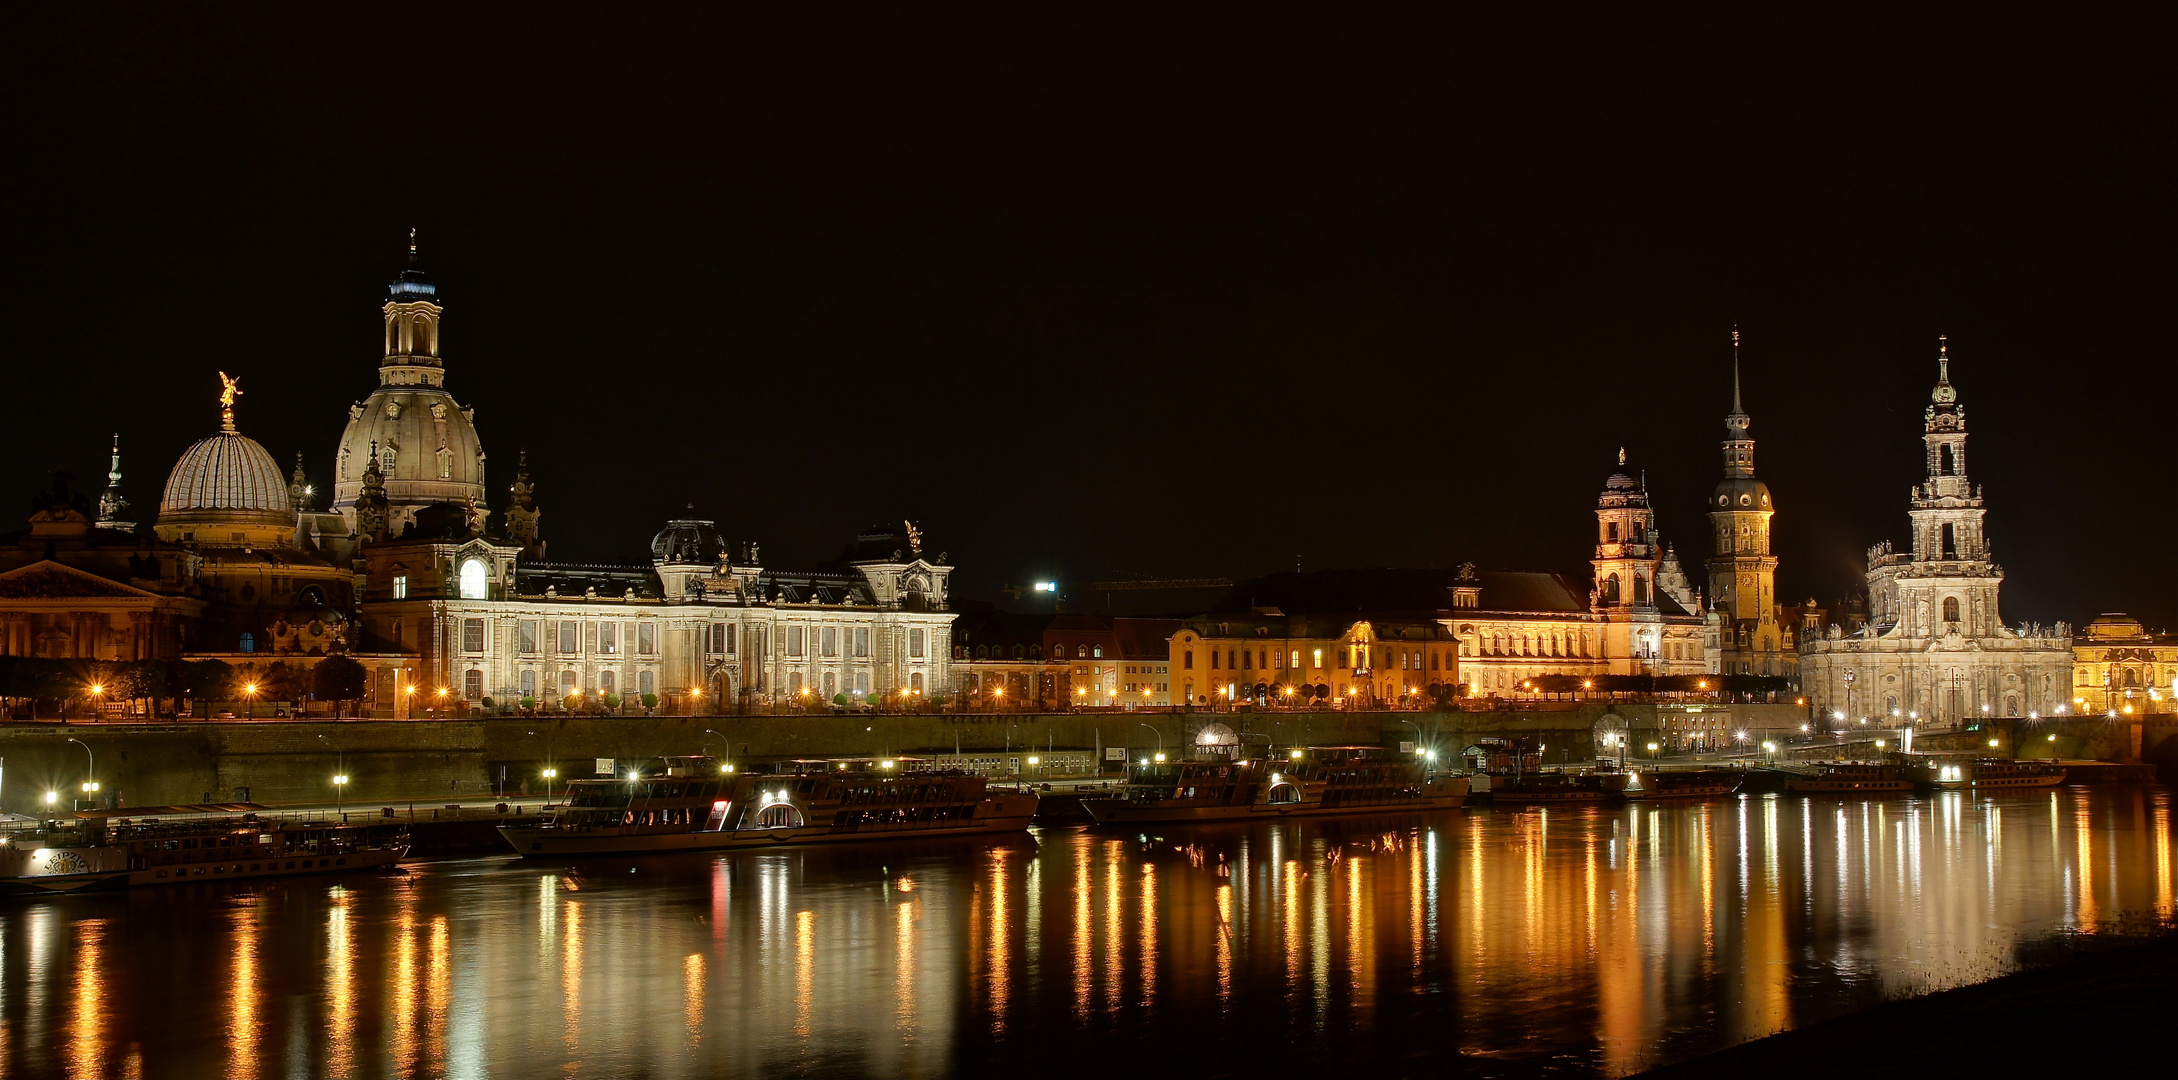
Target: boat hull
{"type": "Point", "coordinates": [1848, 787]}
{"type": "Point", "coordinates": [1117, 812]}
{"type": "Point", "coordinates": [534, 842]}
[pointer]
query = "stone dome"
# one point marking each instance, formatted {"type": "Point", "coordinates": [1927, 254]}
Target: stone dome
{"type": "Point", "coordinates": [226, 479]}
{"type": "Point", "coordinates": [1740, 493]}
{"type": "Point", "coordinates": [687, 541]}
{"type": "Point", "coordinates": [427, 448]}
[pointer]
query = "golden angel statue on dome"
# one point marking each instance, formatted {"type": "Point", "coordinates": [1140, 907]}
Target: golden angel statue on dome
{"type": "Point", "coordinates": [231, 386]}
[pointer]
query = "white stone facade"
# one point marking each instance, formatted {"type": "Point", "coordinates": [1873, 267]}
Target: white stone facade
{"type": "Point", "coordinates": [1936, 650]}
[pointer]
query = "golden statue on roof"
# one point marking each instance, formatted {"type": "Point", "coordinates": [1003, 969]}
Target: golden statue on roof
{"type": "Point", "coordinates": [230, 388]}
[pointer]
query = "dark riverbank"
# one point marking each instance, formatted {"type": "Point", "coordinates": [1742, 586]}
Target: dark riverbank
{"type": "Point", "coordinates": [2108, 1008]}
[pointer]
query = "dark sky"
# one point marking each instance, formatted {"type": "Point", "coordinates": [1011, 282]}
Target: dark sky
{"type": "Point", "coordinates": [1095, 290]}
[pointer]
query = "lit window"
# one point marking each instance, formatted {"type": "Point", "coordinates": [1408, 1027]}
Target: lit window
{"type": "Point", "coordinates": [472, 579]}
{"type": "Point", "coordinates": [400, 586]}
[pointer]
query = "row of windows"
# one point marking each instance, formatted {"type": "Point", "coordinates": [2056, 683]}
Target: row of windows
{"type": "Point", "coordinates": [566, 636]}
{"type": "Point", "coordinates": [1271, 660]}
{"type": "Point", "coordinates": [570, 683]}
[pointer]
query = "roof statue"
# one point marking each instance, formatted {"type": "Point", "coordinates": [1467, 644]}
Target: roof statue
{"type": "Point", "coordinates": [230, 388]}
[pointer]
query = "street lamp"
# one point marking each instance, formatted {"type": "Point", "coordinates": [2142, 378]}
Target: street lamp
{"type": "Point", "coordinates": [1160, 739]}
{"type": "Point", "coordinates": [340, 792]}
{"type": "Point", "coordinates": [249, 694]}
{"type": "Point", "coordinates": [549, 774]}
{"type": "Point", "coordinates": [90, 771]}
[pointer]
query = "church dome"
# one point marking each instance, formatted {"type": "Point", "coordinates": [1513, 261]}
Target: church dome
{"type": "Point", "coordinates": [687, 541]}
{"type": "Point", "coordinates": [427, 447]}
{"type": "Point", "coordinates": [1740, 493]}
{"type": "Point", "coordinates": [226, 489]}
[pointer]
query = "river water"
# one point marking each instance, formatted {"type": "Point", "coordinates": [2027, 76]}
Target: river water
{"type": "Point", "coordinates": [1537, 942]}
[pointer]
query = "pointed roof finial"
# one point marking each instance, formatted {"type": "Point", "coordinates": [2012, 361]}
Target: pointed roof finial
{"type": "Point", "coordinates": [412, 244]}
{"type": "Point", "coordinates": [1943, 358]}
{"type": "Point", "coordinates": [1736, 409]}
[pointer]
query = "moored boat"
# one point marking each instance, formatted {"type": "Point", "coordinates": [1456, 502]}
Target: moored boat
{"type": "Point", "coordinates": [77, 855]}
{"type": "Point", "coordinates": [1653, 784]}
{"type": "Point", "coordinates": [1848, 778]}
{"type": "Point", "coordinates": [1980, 774]}
{"type": "Point", "coordinates": [1557, 786]}
{"type": "Point", "coordinates": [698, 808]}
{"type": "Point", "coordinates": [1316, 781]}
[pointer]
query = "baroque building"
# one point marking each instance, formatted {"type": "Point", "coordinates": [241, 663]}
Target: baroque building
{"type": "Point", "coordinates": [1755, 637]}
{"type": "Point", "coordinates": [2119, 667]}
{"type": "Point", "coordinates": [1935, 648]}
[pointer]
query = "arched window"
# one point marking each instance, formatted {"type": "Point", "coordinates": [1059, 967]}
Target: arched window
{"type": "Point", "coordinates": [1950, 542]}
{"type": "Point", "coordinates": [421, 336]}
{"type": "Point", "coordinates": [1951, 606]}
{"type": "Point", "coordinates": [1641, 589]}
{"type": "Point", "coordinates": [249, 642]}
{"type": "Point", "coordinates": [915, 682]}
{"type": "Point", "coordinates": [472, 579]}
{"type": "Point", "coordinates": [1610, 532]}
{"type": "Point", "coordinates": [1097, 652]}
{"type": "Point", "coordinates": [1610, 589]}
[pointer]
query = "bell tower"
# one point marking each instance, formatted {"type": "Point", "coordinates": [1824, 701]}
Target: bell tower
{"type": "Point", "coordinates": [1742, 569]}
{"type": "Point", "coordinates": [412, 328]}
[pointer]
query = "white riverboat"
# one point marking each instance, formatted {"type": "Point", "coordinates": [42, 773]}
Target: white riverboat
{"type": "Point", "coordinates": [1321, 780]}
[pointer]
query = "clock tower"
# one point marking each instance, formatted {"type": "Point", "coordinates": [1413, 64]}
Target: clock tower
{"type": "Point", "coordinates": [1742, 569]}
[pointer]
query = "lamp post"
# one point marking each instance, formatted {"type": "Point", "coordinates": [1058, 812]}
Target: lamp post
{"type": "Point", "coordinates": [97, 691]}
{"type": "Point", "coordinates": [1417, 736]}
{"type": "Point", "coordinates": [249, 698]}
{"type": "Point", "coordinates": [1160, 740]}
{"type": "Point", "coordinates": [340, 793]}
{"type": "Point", "coordinates": [548, 772]}
{"type": "Point", "coordinates": [340, 772]}
{"type": "Point", "coordinates": [90, 772]}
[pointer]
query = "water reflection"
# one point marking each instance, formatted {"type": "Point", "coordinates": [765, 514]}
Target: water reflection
{"type": "Point", "coordinates": [1543, 941]}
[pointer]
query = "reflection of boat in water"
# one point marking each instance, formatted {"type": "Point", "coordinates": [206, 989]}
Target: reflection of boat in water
{"type": "Point", "coordinates": [1979, 773]}
{"type": "Point", "coordinates": [693, 808]}
{"type": "Point", "coordinates": [1320, 780]}
{"type": "Point", "coordinates": [1511, 771]}
{"type": "Point", "coordinates": [102, 852]}
{"type": "Point", "coordinates": [1684, 783]}
{"type": "Point", "coordinates": [1847, 778]}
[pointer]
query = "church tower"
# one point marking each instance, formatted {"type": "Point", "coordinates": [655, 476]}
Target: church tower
{"type": "Point", "coordinates": [1628, 557]}
{"type": "Point", "coordinates": [1742, 569]}
{"type": "Point", "coordinates": [111, 506]}
{"type": "Point", "coordinates": [427, 448]}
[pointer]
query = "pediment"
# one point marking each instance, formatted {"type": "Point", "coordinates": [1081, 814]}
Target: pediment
{"type": "Point", "coordinates": [49, 580]}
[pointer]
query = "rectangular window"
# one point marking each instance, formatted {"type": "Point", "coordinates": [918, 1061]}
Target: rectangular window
{"type": "Point", "coordinates": [472, 685]}
{"type": "Point", "coordinates": [472, 636]}
{"type": "Point", "coordinates": [831, 641]}
{"type": "Point", "coordinates": [397, 632]}
{"type": "Point", "coordinates": [608, 637]}
{"type": "Point", "coordinates": [1187, 661]}
{"type": "Point", "coordinates": [526, 635]}
{"type": "Point", "coordinates": [400, 586]}
{"type": "Point", "coordinates": [915, 643]}
{"type": "Point", "coordinates": [862, 641]}
{"type": "Point", "coordinates": [529, 684]}
{"type": "Point", "coordinates": [718, 638]}
{"type": "Point", "coordinates": [570, 637]}
{"type": "Point", "coordinates": [731, 630]}
{"type": "Point", "coordinates": [794, 641]}
{"type": "Point", "coordinates": [646, 638]}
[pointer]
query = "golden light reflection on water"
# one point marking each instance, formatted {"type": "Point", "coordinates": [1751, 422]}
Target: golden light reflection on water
{"type": "Point", "coordinates": [340, 955]}
{"type": "Point", "coordinates": [692, 997]}
{"type": "Point", "coordinates": [242, 990]}
{"type": "Point", "coordinates": [1603, 940]}
{"type": "Point", "coordinates": [86, 1042]}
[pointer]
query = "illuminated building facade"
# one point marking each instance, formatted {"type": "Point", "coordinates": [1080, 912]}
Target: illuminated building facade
{"type": "Point", "coordinates": [1936, 649]}
{"type": "Point", "coordinates": [1755, 637]}
{"type": "Point", "coordinates": [1048, 660]}
{"type": "Point", "coordinates": [1260, 655]}
{"type": "Point", "coordinates": [2119, 666]}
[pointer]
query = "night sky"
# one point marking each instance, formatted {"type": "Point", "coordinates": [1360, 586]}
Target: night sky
{"type": "Point", "coordinates": [1096, 291]}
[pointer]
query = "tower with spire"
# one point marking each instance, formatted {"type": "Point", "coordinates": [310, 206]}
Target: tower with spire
{"type": "Point", "coordinates": [1742, 566]}
{"type": "Point", "coordinates": [427, 450]}
{"type": "Point", "coordinates": [1935, 650]}
{"type": "Point", "coordinates": [111, 506]}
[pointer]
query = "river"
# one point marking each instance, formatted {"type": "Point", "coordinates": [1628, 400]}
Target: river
{"type": "Point", "coordinates": [1537, 942]}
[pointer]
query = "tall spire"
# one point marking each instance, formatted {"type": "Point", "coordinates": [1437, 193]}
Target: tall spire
{"type": "Point", "coordinates": [110, 503]}
{"type": "Point", "coordinates": [412, 245]}
{"type": "Point", "coordinates": [1944, 395]}
{"type": "Point", "coordinates": [1736, 410]}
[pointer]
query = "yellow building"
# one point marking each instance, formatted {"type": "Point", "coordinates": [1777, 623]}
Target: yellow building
{"type": "Point", "coordinates": [2118, 665]}
{"type": "Point", "coordinates": [1271, 658]}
